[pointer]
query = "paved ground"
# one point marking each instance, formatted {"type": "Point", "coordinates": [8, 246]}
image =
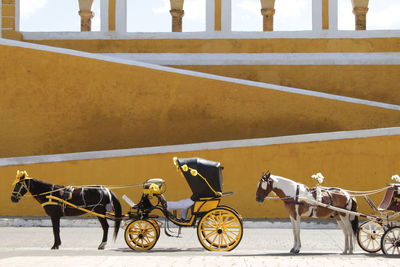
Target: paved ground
{"type": "Point", "coordinates": [29, 246]}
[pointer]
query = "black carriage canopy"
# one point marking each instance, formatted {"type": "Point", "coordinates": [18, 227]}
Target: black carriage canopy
{"type": "Point", "coordinates": [203, 176]}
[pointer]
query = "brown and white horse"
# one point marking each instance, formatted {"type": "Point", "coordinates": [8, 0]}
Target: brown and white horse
{"type": "Point", "coordinates": [294, 195]}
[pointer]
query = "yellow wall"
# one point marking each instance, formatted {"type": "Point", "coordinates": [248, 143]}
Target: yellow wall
{"type": "Point", "coordinates": [111, 15]}
{"type": "Point", "coordinates": [325, 14]}
{"type": "Point", "coordinates": [372, 82]}
{"type": "Point", "coordinates": [217, 15]}
{"type": "Point", "coordinates": [354, 164]}
{"type": "Point", "coordinates": [265, 45]}
{"type": "Point", "coordinates": [57, 103]}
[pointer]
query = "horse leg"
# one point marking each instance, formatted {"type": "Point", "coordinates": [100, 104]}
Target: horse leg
{"type": "Point", "coordinates": [296, 234]}
{"type": "Point", "coordinates": [349, 233]}
{"type": "Point", "coordinates": [342, 223]}
{"type": "Point", "coordinates": [55, 221]}
{"type": "Point", "coordinates": [104, 225]}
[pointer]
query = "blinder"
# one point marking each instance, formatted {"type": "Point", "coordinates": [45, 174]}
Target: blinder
{"type": "Point", "coordinates": [261, 191]}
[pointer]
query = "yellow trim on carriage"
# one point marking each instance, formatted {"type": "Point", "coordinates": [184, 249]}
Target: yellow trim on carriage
{"type": "Point", "coordinates": [188, 223]}
{"type": "Point", "coordinates": [50, 203]}
{"type": "Point", "coordinates": [75, 206]}
{"type": "Point", "coordinates": [206, 204]}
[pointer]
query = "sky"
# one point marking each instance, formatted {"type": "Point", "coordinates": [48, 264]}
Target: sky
{"type": "Point", "coordinates": [153, 15]}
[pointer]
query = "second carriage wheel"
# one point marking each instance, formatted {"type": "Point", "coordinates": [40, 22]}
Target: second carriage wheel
{"type": "Point", "coordinates": [369, 236]}
{"type": "Point", "coordinates": [141, 235]}
{"type": "Point", "coordinates": [220, 229]}
{"type": "Point", "coordinates": [390, 242]}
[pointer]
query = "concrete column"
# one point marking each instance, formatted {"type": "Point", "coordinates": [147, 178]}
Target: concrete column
{"type": "Point", "coordinates": [111, 14]}
{"type": "Point", "coordinates": [9, 16]}
{"type": "Point", "coordinates": [17, 14]}
{"type": "Point", "coordinates": [104, 15]}
{"type": "Point", "coordinates": [210, 18]}
{"type": "Point", "coordinates": [325, 15]}
{"type": "Point", "coordinates": [177, 13]}
{"type": "Point", "coordinates": [1, 19]}
{"type": "Point", "coordinates": [86, 13]}
{"type": "Point", "coordinates": [333, 15]}
{"type": "Point", "coordinates": [226, 15]}
{"type": "Point", "coordinates": [316, 15]}
{"type": "Point", "coordinates": [360, 9]}
{"type": "Point", "coordinates": [121, 16]}
{"type": "Point", "coordinates": [268, 11]}
{"type": "Point", "coordinates": [218, 15]}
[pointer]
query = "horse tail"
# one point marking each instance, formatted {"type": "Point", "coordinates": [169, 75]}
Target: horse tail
{"type": "Point", "coordinates": [118, 214]}
{"type": "Point", "coordinates": [354, 221]}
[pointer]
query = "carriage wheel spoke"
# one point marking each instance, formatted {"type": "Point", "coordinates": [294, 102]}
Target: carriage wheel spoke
{"type": "Point", "coordinates": [206, 224]}
{"type": "Point", "coordinates": [147, 240]}
{"type": "Point", "coordinates": [232, 222]}
{"type": "Point", "coordinates": [206, 237]}
{"type": "Point", "coordinates": [230, 239]}
{"type": "Point", "coordinates": [225, 239]}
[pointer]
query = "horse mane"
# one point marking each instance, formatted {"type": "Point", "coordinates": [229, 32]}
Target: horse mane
{"type": "Point", "coordinates": [46, 184]}
{"type": "Point", "coordinates": [288, 180]}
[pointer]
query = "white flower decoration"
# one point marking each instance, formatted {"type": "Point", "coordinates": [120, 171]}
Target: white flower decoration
{"type": "Point", "coordinates": [396, 178]}
{"type": "Point", "coordinates": [319, 177]}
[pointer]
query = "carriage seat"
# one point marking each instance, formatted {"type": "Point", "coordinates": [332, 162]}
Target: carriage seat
{"type": "Point", "coordinates": [182, 205]}
{"type": "Point", "coordinates": [391, 200]}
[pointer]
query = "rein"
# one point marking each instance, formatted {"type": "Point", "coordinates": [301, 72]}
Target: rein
{"type": "Point", "coordinates": [75, 187]}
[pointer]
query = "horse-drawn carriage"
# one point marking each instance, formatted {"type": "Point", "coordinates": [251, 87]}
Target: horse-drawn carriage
{"type": "Point", "coordinates": [381, 231]}
{"type": "Point", "coordinates": [219, 227]}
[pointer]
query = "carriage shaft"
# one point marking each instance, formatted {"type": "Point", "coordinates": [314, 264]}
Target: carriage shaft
{"type": "Point", "coordinates": [320, 204]}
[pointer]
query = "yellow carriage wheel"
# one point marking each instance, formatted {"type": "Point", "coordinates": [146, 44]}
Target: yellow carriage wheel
{"type": "Point", "coordinates": [220, 230]}
{"type": "Point", "coordinates": [141, 235]}
{"type": "Point", "coordinates": [369, 236]}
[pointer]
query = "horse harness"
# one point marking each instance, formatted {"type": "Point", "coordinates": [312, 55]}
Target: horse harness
{"type": "Point", "coordinates": [316, 196]}
{"type": "Point", "coordinates": [66, 194]}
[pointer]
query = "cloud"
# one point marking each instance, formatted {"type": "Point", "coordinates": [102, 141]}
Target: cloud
{"type": "Point", "coordinates": [253, 7]}
{"type": "Point", "coordinates": [163, 8]}
{"type": "Point", "coordinates": [292, 8]}
{"type": "Point", "coordinates": [195, 10]}
{"type": "Point", "coordinates": [383, 17]}
{"type": "Point", "coordinates": [345, 16]}
{"type": "Point", "coordinates": [29, 7]}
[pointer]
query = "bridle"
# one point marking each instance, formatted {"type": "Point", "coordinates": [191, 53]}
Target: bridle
{"type": "Point", "coordinates": [265, 178]}
{"type": "Point", "coordinates": [22, 185]}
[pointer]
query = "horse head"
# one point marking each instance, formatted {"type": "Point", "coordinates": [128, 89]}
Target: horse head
{"type": "Point", "coordinates": [264, 187]}
{"type": "Point", "coordinates": [21, 186]}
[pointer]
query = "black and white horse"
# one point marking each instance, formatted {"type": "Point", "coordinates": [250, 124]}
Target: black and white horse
{"type": "Point", "coordinates": [98, 199]}
{"type": "Point", "coordinates": [294, 194]}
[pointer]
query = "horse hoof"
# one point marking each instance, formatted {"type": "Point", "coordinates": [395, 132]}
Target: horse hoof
{"type": "Point", "coordinates": [54, 247]}
{"type": "Point", "coordinates": [294, 251]}
{"type": "Point", "coordinates": [102, 246]}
